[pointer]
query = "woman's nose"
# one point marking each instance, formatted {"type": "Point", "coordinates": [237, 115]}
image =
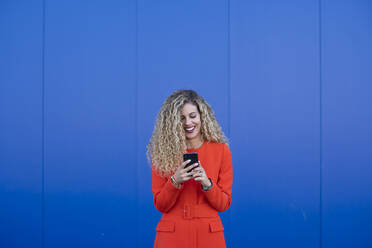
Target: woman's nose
{"type": "Point", "coordinates": [188, 121]}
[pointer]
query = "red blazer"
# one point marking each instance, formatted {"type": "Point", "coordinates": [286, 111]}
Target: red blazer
{"type": "Point", "coordinates": [190, 216]}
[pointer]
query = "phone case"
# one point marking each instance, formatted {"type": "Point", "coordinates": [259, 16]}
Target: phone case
{"type": "Point", "coordinates": [194, 159]}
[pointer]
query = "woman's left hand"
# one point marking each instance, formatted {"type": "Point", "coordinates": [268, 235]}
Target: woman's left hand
{"type": "Point", "coordinates": [200, 176]}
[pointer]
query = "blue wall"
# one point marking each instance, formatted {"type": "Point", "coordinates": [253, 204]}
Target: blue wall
{"type": "Point", "coordinates": [81, 83]}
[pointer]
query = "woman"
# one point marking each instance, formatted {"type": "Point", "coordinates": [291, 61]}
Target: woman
{"type": "Point", "coordinates": [189, 200]}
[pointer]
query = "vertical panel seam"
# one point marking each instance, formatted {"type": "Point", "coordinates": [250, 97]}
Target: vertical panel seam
{"type": "Point", "coordinates": [228, 69]}
{"type": "Point", "coordinates": [229, 94]}
{"type": "Point", "coordinates": [43, 127]}
{"type": "Point", "coordinates": [320, 129]}
{"type": "Point", "coordinates": [136, 121]}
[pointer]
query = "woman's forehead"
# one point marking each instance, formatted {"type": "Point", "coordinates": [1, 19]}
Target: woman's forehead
{"type": "Point", "coordinates": [189, 108]}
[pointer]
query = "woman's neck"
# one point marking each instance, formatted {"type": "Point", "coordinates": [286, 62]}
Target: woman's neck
{"type": "Point", "coordinates": [194, 143]}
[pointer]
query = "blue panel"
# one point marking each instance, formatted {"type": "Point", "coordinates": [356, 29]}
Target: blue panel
{"type": "Point", "coordinates": [347, 123]}
{"type": "Point", "coordinates": [182, 44]}
{"type": "Point", "coordinates": [90, 126]}
{"type": "Point", "coordinates": [275, 123]}
{"type": "Point", "coordinates": [21, 123]}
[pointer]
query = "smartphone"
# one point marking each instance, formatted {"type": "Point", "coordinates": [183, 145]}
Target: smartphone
{"type": "Point", "coordinates": [193, 156]}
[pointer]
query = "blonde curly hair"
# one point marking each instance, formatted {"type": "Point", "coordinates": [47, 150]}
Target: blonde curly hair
{"type": "Point", "coordinates": [168, 142]}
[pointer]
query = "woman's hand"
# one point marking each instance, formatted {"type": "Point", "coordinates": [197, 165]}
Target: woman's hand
{"type": "Point", "coordinates": [200, 176]}
{"type": "Point", "coordinates": [181, 175]}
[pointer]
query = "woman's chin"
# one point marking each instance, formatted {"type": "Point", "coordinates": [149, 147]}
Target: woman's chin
{"type": "Point", "coordinates": [191, 136]}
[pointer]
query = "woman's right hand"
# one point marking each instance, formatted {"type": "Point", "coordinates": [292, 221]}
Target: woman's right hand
{"type": "Point", "coordinates": [181, 175]}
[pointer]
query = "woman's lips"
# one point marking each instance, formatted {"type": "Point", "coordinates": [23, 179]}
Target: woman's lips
{"type": "Point", "coordinates": [190, 129]}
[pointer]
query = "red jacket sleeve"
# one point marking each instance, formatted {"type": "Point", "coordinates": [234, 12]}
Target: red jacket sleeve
{"type": "Point", "coordinates": [165, 194]}
{"type": "Point", "coordinates": [219, 196]}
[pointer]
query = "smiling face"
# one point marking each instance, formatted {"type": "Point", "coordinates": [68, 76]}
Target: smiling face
{"type": "Point", "coordinates": [190, 118]}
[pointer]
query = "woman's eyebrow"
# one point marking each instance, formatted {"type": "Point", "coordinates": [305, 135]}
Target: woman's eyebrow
{"type": "Point", "coordinates": [188, 114]}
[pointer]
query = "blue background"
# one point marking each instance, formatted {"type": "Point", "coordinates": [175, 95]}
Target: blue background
{"type": "Point", "coordinates": [81, 83]}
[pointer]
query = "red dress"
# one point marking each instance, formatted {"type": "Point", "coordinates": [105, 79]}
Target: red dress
{"type": "Point", "coordinates": [190, 217]}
